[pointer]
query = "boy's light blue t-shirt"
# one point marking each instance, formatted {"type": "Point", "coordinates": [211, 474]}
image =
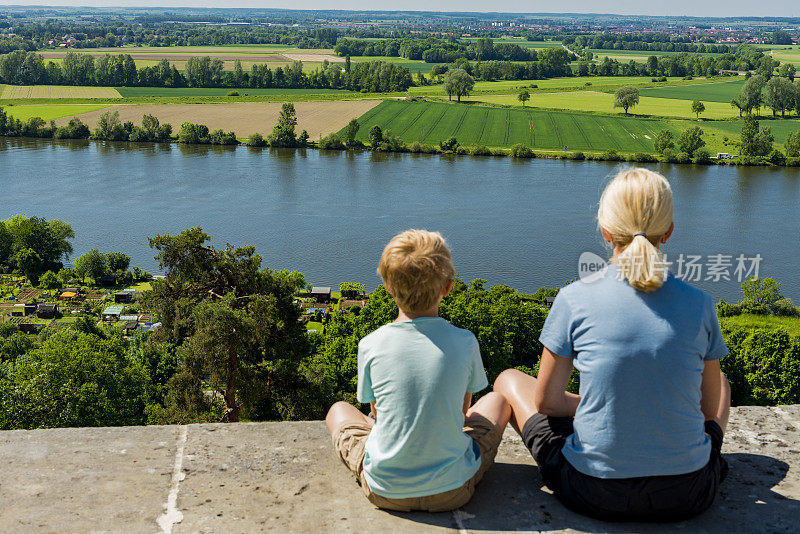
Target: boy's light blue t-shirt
{"type": "Point", "coordinates": [640, 357]}
{"type": "Point", "coordinates": [418, 372]}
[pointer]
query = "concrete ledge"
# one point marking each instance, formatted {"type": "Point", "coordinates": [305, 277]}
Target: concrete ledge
{"type": "Point", "coordinates": [284, 477]}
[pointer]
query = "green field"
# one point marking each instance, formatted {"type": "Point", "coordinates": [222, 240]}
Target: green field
{"type": "Point", "coordinates": [780, 128]}
{"type": "Point", "coordinates": [604, 103]}
{"type": "Point", "coordinates": [135, 92]}
{"type": "Point", "coordinates": [791, 324]}
{"type": "Point", "coordinates": [431, 122]}
{"type": "Point", "coordinates": [49, 112]}
{"type": "Point", "coordinates": [639, 56]}
{"type": "Point", "coordinates": [707, 92]}
{"type": "Point", "coordinates": [788, 55]}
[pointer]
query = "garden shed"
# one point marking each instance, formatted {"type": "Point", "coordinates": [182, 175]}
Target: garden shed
{"type": "Point", "coordinates": [47, 311]}
{"type": "Point", "coordinates": [112, 313]}
{"type": "Point", "coordinates": [321, 294]}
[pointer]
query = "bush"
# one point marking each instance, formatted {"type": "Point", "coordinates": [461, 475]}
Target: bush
{"type": "Point", "coordinates": [415, 147]}
{"type": "Point", "coordinates": [577, 156]}
{"type": "Point", "coordinates": [776, 157]}
{"type": "Point", "coordinates": [781, 307]}
{"type": "Point", "coordinates": [611, 155]}
{"type": "Point", "coordinates": [702, 157]}
{"type": "Point", "coordinates": [668, 156]}
{"type": "Point", "coordinates": [449, 146]}
{"type": "Point", "coordinates": [683, 157]}
{"type": "Point", "coordinates": [499, 152]}
{"type": "Point", "coordinates": [233, 93]}
{"type": "Point", "coordinates": [763, 366]}
{"type": "Point", "coordinates": [480, 150]}
{"type": "Point", "coordinates": [219, 137]}
{"type": "Point", "coordinates": [726, 309]}
{"type": "Point", "coordinates": [462, 150]}
{"type": "Point", "coordinates": [522, 151]}
{"type": "Point", "coordinates": [392, 144]}
{"type": "Point", "coordinates": [256, 139]}
{"type": "Point", "coordinates": [641, 157]}
{"type": "Point", "coordinates": [331, 142]}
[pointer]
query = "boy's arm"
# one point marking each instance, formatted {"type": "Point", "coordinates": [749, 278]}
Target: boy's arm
{"type": "Point", "coordinates": [467, 402]}
{"type": "Point", "coordinates": [372, 411]}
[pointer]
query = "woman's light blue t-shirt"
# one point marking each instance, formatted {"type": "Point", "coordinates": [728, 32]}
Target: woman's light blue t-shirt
{"type": "Point", "coordinates": [418, 372]}
{"type": "Point", "coordinates": [640, 357]}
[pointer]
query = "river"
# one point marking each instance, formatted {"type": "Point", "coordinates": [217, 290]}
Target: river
{"type": "Point", "coordinates": [329, 214]}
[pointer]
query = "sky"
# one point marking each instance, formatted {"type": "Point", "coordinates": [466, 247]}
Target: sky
{"type": "Point", "coordinates": [718, 8]}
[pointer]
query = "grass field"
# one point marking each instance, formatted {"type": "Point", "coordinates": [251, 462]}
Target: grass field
{"type": "Point", "coordinates": [639, 56]}
{"type": "Point", "coordinates": [431, 122]}
{"type": "Point", "coordinates": [780, 128]}
{"type": "Point", "coordinates": [604, 103]}
{"type": "Point", "coordinates": [8, 92]}
{"type": "Point", "coordinates": [135, 92]}
{"type": "Point", "coordinates": [50, 112]}
{"type": "Point", "coordinates": [708, 92]}
{"type": "Point", "coordinates": [788, 55]}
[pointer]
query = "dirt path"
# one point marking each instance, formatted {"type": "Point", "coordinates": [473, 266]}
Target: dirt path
{"type": "Point", "coordinates": [244, 118]}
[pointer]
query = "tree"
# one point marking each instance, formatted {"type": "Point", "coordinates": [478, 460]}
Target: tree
{"type": "Point", "coordinates": [92, 263]}
{"type": "Point", "coordinates": [75, 380]}
{"type": "Point", "coordinates": [108, 123]}
{"type": "Point", "coordinates": [750, 97]}
{"type": "Point", "coordinates": [781, 37]}
{"type": "Point", "coordinates": [626, 97]}
{"type": "Point", "coordinates": [458, 82]}
{"type": "Point", "coordinates": [233, 322]}
{"type": "Point", "coordinates": [350, 132]}
{"type": "Point", "coordinates": [283, 134]}
{"type": "Point", "coordinates": [375, 136]}
{"type": "Point", "coordinates": [755, 141]}
{"type": "Point", "coordinates": [523, 96]}
{"type": "Point", "coordinates": [49, 239]}
{"type": "Point", "coordinates": [664, 141]}
{"type": "Point", "coordinates": [792, 144]}
{"type": "Point", "coordinates": [49, 280]}
{"type": "Point", "coordinates": [738, 105]}
{"type": "Point", "coordinates": [351, 290]}
{"type": "Point", "coordinates": [690, 140]}
{"type": "Point", "coordinates": [779, 95]}
{"type": "Point", "coordinates": [117, 261]}
{"type": "Point", "coordinates": [28, 263]}
{"type": "Point", "coordinates": [787, 70]}
{"type": "Point", "coordinates": [760, 293]}
{"type": "Point", "coordinates": [697, 108]}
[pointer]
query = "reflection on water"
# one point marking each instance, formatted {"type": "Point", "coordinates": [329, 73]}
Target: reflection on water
{"type": "Point", "coordinates": [329, 213]}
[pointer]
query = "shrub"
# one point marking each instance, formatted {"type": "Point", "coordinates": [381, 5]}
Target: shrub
{"type": "Point", "coordinates": [219, 137]}
{"type": "Point", "coordinates": [702, 156]}
{"type": "Point", "coordinates": [480, 150]}
{"type": "Point", "coordinates": [763, 366]}
{"type": "Point", "coordinates": [415, 147]}
{"type": "Point", "coordinates": [392, 144]}
{"type": "Point", "coordinates": [726, 309]}
{"type": "Point", "coordinates": [611, 155]}
{"type": "Point", "coordinates": [375, 136]}
{"type": "Point", "coordinates": [577, 156]}
{"type": "Point", "coordinates": [233, 93]}
{"type": "Point", "coordinates": [533, 86]}
{"type": "Point", "coordinates": [331, 142]}
{"type": "Point", "coordinates": [499, 152]}
{"type": "Point", "coordinates": [781, 307]}
{"type": "Point", "coordinates": [256, 139]}
{"type": "Point", "coordinates": [587, 84]}
{"type": "Point", "coordinates": [521, 151]}
{"type": "Point", "coordinates": [642, 157]}
{"type": "Point", "coordinates": [776, 157]}
{"type": "Point", "coordinates": [668, 156]}
{"type": "Point", "coordinates": [462, 150]}
{"type": "Point", "coordinates": [683, 157]}
{"type": "Point", "coordinates": [450, 145]}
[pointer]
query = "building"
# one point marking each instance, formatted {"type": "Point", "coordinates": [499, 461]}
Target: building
{"type": "Point", "coordinates": [123, 296]}
{"type": "Point", "coordinates": [321, 294]}
{"type": "Point", "coordinates": [47, 311]}
{"type": "Point", "coordinates": [108, 280]}
{"type": "Point", "coordinates": [113, 312]}
{"type": "Point", "coordinates": [23, 310]}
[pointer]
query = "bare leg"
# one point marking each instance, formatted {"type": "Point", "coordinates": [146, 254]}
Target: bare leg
{"type": "Point", "coordinates": [518, 389]}
{"type": "Point", "coordinates": [724, 410]}
{"type": "Point", "coordinates": [341, 412]}
{"type": "Point", "coordinates": [493, 407]}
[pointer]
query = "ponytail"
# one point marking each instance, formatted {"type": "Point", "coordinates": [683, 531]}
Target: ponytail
{"type": "Point", "coordinates": [636, 209]}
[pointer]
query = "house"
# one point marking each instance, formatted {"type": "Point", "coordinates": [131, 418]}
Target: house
{"type": "Point", "coordinates": [23, 310]}
{"type": "Point", "coordinates": [123, 296]}
{"type": "Point", "coordinates": [113, 312]}
{"type": "Point", "coordinates": [47, 311]}
{"type": "Point", "coordinates": [321, 294]}
{"type": "Point", "coordinates": [29, 328]}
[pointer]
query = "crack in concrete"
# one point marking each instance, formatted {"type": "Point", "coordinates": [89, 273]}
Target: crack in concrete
{"type": "Point", "coordinates": [171, 513]}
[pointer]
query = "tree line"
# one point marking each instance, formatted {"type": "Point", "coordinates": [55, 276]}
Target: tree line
{"type": "Point", "coordinates": [29, 68]}
{"type": "Point", "coordinates": [232, 347]}
{"type": "Point", "coordinates": [435, 50]}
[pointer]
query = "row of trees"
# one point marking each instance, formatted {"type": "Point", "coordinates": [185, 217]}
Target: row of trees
{"type": "Point", "coordinates": [28, 68]}
{"type": "Point", "coordinates": [434, 50]}
{"type": "Point", "coordinates": [777, 93]}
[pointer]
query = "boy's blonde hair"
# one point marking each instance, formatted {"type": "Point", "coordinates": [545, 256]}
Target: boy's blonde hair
{"type": "Point", "coordinates": [636, 209]}
{"type": "Point", "coordinates": [415, 266]}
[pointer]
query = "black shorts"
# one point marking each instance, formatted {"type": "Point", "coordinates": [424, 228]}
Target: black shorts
{"type": "Point", "coordinates": [652, 498]}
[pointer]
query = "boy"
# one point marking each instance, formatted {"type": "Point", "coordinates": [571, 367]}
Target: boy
{"type": "Point", "coordinates": [423, 448]}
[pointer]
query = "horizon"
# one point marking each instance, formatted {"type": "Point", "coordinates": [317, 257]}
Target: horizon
{"type": "Point", "coordinates": [717, 9]}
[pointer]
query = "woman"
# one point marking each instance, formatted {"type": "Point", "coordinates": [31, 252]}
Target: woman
{"type": "Point", "coordinates": [642, 439]}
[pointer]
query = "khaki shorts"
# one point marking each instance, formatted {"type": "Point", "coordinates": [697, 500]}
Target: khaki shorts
{"type": "Point", "coordinates": [351, 436]}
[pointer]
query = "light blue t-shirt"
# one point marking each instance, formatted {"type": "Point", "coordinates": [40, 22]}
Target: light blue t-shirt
{"type": "Point", "coordinates": [640, 357]}
{"type": "Point", "coordinates": [418, 372]}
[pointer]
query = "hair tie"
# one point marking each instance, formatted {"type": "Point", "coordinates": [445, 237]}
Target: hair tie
{"type": "Point", "coordinates": [639, 233]}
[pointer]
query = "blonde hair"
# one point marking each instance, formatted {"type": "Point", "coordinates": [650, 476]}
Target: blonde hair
{"type": "Point", "coordinates": [415, 266]}
{"type": "Point", "coordinates": [636, 209]}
